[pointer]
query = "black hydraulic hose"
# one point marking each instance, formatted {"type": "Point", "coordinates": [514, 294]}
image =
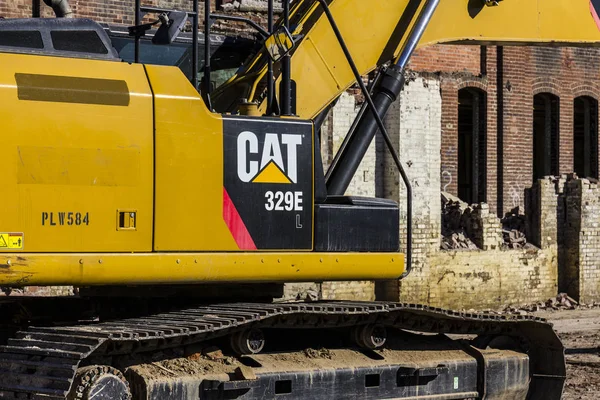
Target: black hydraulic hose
{"type": "Point", "coordinates": [416, 33]}
{"type": "Point", "coordinates": [206, 78]}
{"type": "Point", "coordinates": [418, 28]}
{"type": "Point", "coordinates": [270, 81]}
{"type": "Point", "coordinates": [195, 45]}
{"type": "Point", "coordinates": [351, 131]}
{"type": "Point", "coordinates": [286, 69]}
{"type": "Point", "coordinates": [61, 8]}
{"type": "Point", "coordinates": [136, 19]}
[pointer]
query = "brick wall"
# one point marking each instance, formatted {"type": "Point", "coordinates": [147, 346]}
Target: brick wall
{"type": "Point", "coordinates": [452, 59]}
{"type": "Point", "coordinates": [490, 279]}
{"type": "Point", "coordinates": [483, 227]}
{"type": "Point", "coordinates": [423, 125]}
{"type": "Point", "coordinates": [581, 247]}
{"type": "Point", "coordinates": [357, 290]}
{"type": "Point", "coordinates": [543, 212]}
{"type": "Point", "coordinates": [413, 123]}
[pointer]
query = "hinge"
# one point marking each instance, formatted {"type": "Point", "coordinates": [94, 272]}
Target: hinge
{"type": "Point", "coordinates": [492, 3]}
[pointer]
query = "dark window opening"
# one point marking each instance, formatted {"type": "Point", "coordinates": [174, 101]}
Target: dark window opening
{"type": "Point", "coordinates": [78, 41]}
{"type": "Point", "coordinates": [545, 135]}
{"type": "Point", "coordinates": [226, 58]}
{"type": "Point", "coordinates": [585, 137]}
{"type": "Point", "coordinates": [472, 145]}
{"type": "Point", "coordinates": [372, 380]}
{"type": "Point", "coordinates": [283, 387]}
{"type": "Point", "coordinates": [27, 39]}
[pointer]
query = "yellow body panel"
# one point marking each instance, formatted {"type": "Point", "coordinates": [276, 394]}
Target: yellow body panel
{"type": "Point", "coordinates": [71, 159]}
{"type": "Point", "coordinates": [167, 268]}
{"type": "Point", "coordinates": [189, 168]}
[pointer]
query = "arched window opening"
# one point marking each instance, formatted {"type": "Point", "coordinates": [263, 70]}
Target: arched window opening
{"type": "Point", "coordinates": [545, 135]}
{"type": "Point", "coordinates": [472, 145]}
{"type": "Point", "coordinates": [585, 137]}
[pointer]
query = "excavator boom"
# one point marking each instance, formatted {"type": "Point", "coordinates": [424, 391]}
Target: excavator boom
{"type": "Point", "coordinates": [377, 34]}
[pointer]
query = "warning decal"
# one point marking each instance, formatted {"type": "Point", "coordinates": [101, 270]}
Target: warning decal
{"type": "Point", "coordinates": [595, 10]}
{"type": "Point", "coordinates": [11, 241]}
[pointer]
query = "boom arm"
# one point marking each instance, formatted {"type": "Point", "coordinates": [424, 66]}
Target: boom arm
{"type": "Point", "coordinates": [375, 34]}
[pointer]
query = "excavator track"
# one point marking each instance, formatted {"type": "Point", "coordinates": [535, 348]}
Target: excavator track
{"type": "Point", "coordinates": [42, 361]}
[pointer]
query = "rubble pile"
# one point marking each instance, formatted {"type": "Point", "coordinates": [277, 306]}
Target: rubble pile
{"type": "Point", "coordinates": [458, 241]}
{"type": "Point", "coordinates": [454, 236]}
{"type": "Point", "coordinates": [250, 5]}
{"type": "Point", "coordinates": [513, 229]}
{"type": "Point", "coordinates": [561, 302]}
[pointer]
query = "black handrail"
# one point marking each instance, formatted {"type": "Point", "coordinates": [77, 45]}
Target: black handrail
{"type": "Point", "coordinates": [270, 79]}
{"type": "Point", "coordinates": [206, 77]}
{"type": "Point", "coordinates": [136, 21]}
{"type": "Point", "coordinates": [195, 45]}
{"type": "Point", "coordinates": [286, 68]}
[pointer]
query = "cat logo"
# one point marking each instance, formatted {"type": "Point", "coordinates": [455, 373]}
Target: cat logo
{"type": "Point", "coordinates": [270, 168]}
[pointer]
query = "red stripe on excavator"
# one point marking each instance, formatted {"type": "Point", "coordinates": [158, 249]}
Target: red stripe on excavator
{"type": "Point", "coordinates": [594, 6]}
{"type": "Point", "coordinates": [236, 225]}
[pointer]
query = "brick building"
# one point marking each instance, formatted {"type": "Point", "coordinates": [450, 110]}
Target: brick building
{"type": "Point", "coordinates": [511, 115]}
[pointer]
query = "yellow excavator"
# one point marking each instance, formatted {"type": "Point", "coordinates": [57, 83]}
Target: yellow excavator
{"type": "Point", "coordinates": [178, 209]}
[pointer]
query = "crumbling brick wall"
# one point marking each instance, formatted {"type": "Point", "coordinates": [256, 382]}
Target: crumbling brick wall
{"type": "Point", "coordinates": [356, 290]}
{"type": "Point", "coordinates": [455, 279]}
{"type": "Point", "coordinates": [484, 228]}
{"type": "Point", "coordinates": [580, 264]}
{"type": "Point", "coordinates": [490, 279]}
{"type": "Point", "coordinates": [541, 203]}
{"type": "Point", "coordinates": [469, 227]}
{"type": "Point", "coordinates": [413, 123]}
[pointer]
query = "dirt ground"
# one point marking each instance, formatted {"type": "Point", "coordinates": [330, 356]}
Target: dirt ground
{"type": "Point", "coordinates": [580, 332]}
